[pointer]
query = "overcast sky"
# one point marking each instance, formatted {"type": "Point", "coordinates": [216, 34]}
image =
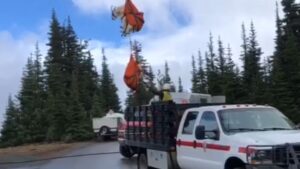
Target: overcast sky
{"type": "Point", "coordinates": [174, 30]}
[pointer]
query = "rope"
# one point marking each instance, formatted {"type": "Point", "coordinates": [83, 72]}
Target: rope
{"type": "Point", "coordinates": [58, 157]}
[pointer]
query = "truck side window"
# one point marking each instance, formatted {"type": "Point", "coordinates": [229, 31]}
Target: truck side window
{"type": "Point", "coordinates": [189, 122]}
{"type": "Point", "coordinates": [209, 121]}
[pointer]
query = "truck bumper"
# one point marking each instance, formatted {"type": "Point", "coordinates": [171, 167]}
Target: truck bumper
{"type": "Point", "coordinates": [269, 167]}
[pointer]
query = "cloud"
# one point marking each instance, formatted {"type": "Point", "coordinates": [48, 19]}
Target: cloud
{"type": "Point", "coordinates": [176, 29]}
{"type": "Point", "coordinates": [177, 22]}
{"type": "Point", "coordinates": [95, 6]}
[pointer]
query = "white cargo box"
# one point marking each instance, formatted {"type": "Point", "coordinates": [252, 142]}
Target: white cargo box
{"type": "Point", "coordinates": [190, 98]}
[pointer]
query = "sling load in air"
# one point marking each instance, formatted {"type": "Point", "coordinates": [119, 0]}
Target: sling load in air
{"type": "Point", "coordinates": [132, 19]}
{"type": "Point", "coordinates": [133, 72]}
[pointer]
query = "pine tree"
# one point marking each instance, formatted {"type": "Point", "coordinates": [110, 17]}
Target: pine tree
{"type": "Point", "coordinates": [97, 108]}
{"type": "Point", "coordinates": [167, 78]}
{"type": "Point", "coordinates": [244, 45]}
{"type": "Point", "coordinates": [276, 74]}
{"type": "Point", "coordinates": [221, 66]}
{"type": "Point", "coordinates": [31, 98]}
{"type": "Point", "coordinates": [230, 79]}
{"type": "Point", "coordinates": [180, 87]}
{"type": "Point", "coordinates": [11, 132]}
{"type": "Point", "coordinates": [285, 73]}
{"type": "Point", "coordinates": [200, 75]}
{"type": "Point", "coordinates": [213, 84]}
{"type": "Point", "coordinates": [194, 76]}
{"type": "Point", "coordinates": [221, 58]}
{"type": "Point", "coordinates": [252, 77]}
{"type": "Point", "coordinates": [89, 85]}
{"type": "Point", "coordinates": [55, 82]}
{"type": "Point", "coordinates": [255, 70]}
{"type": "Point", "coordinates": [267, 81]}
{"type": "Point", "coordinates": [110, 99]}
{"type": "Point", "coordinates": [77, 128]}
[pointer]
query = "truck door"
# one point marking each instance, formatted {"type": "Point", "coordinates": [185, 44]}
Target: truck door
{"type": "Point", "coordinates": [210, 150]}
{"type": "Point", "coordinates": [185, 146]}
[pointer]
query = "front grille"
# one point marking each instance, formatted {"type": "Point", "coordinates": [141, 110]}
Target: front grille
{"type": "Point", "coordinates": [286, 155]}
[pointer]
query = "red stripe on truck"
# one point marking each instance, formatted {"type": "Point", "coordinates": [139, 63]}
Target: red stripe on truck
{"type": "Point", "coordinates": [201, 145]}
{"type": "Point", "coordinates": [218, 147]}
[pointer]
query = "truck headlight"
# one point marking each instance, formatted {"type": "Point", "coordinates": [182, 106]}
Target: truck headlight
{"type": "Point", "coordinates": [260, 156]}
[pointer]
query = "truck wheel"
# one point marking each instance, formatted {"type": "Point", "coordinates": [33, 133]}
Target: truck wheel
{"type": "Point", "coordinates": [126, 151]}
{"type": "Point", "coordinates": [103, 133]}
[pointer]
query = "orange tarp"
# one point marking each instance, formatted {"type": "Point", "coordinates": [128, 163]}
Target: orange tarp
{"type": "Point", "coordinates": [132, 74]}
{"type": "Point", "coordinates": [133, 16]}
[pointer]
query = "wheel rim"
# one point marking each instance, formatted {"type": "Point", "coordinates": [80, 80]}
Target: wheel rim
{"type": "Point", "coordinates": [103, 131]}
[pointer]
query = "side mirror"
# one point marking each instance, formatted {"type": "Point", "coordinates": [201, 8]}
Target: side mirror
{"type": "Point", "coordinates": [200, 132]}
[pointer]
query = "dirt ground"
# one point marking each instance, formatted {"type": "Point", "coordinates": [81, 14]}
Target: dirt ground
{"type": "Point", "coordinates": [39, 149]}
{"type": "Point", "coordinates": [36, 152]}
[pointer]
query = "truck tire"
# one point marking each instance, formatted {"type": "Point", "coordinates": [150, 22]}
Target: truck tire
{"type": "Point", "coordinates": [103, 133]}
{"type": "Point", "coordinates": [126, 151]}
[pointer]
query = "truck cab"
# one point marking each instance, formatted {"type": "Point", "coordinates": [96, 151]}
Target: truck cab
{"type": "Point", "coordinates": [212, 136]}
{"type": "Point", "coordinates": [237, 137]}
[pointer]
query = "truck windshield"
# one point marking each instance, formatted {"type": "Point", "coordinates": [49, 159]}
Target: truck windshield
{"type": "Point", "coordinates": [253, 119]}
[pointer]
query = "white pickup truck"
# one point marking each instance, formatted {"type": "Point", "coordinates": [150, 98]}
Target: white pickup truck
{"type": "Point", "coordinates": [169, 136]}
{"type": "Point", "coordinates": [107, 126]}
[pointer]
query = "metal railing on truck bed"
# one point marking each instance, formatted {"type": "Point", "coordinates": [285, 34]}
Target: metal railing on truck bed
{"type": "Point", "coordinates": [155, 126]}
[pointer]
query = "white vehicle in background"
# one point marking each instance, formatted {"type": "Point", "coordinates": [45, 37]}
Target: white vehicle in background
{"type": "Point", "coordinates": [107, 127]}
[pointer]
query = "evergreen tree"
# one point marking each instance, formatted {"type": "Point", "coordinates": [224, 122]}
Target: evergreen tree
{"type": "Point", "coordinates": [233, 88]}
{"type": "Point", "coordinates": [167, 78]}
{"type": "Point", "coordinates": [213, 84]}
{"type": "Point", "coordinates": [194, 76]}
{"type": "Point", "coordinates": [31, 98]}
{"type": "Point", "coordinates": [110, 99]}
{"type": "Point", "coordinates": [55, 82]}
{"type": "Point", "coordinates": [67, 55]}
{"type": "Point", "coordinates": [180, 87]}
{"type": "Point", "coordinates": [200, 75]}
{"type": "Point", "coordinates": [285, 72]}
{"type": "Point", "coordinates": [11, 132]}
{"type": "Point", "coordinates": [77, 128]}
{"type": "Point", "coordinates": [244, 46]}
{"type": "Point", "coordinates": [221, 65]}
{"type": "Point", "coordinates": [276, 73]}
{"type": "Point", "coordinates": [254, 52]}
{"type": "Point", "coordinates": [267, 81]}
{"type": "Point", "coordinates": [57, 103]}
{"type": "Point", "coordinates": [252, 77]}
{"type": "Point", "coordinates": [89, 87]}
{"type": "Point", "coordinates": [97, 108]}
